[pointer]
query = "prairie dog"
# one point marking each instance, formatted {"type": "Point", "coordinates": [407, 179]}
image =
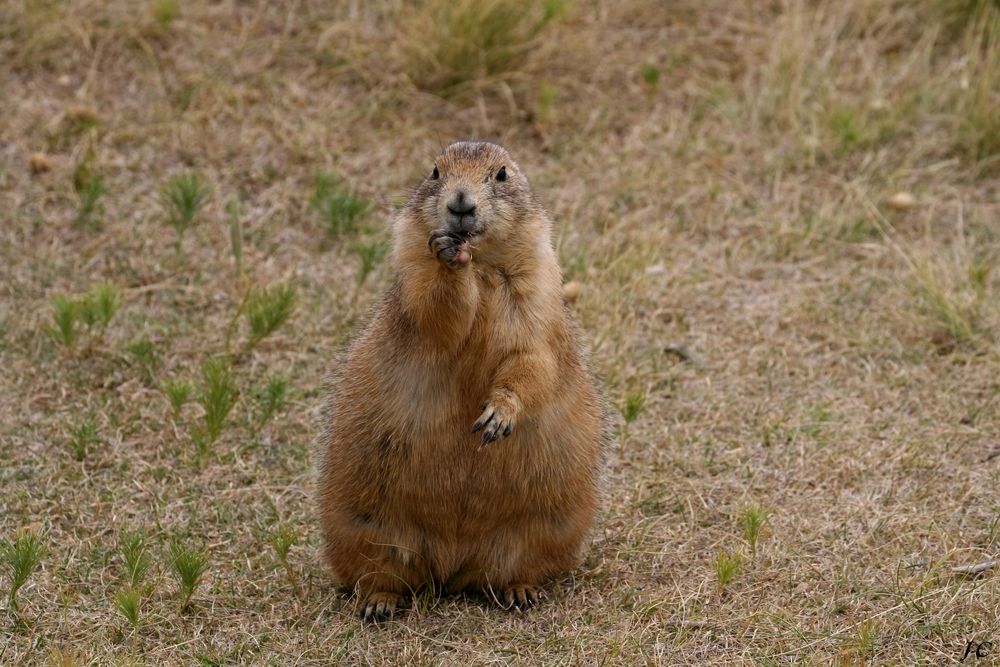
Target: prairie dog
{"type": "Point", "coordinates": [464, 437]}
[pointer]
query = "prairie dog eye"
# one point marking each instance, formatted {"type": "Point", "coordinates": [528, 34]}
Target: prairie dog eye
{"type": "Point", "coordinates": [435, 174]}
{"type": "Point", "coordinates": [502, 174]}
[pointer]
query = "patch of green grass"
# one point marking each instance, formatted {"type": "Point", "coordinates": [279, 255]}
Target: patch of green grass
{"type": "Point", "coordinates": [546, 102]}
{"type": "Point", "coordinates": [371, 254]}
{"type": "Point", "coordinates": [727, 567]}
{"type": "Point", "coordinates": [182, 199]}
{"type": "Point", "coordinates": [21, 555]}
{"type": "Point", "coordinates": [128, 603]}
{"type": "Point", "coordinates": [135, 557]}
{"type": "Point", "coordinates": [282, 541]}
{"type": "Point", "coordinates": [99, 307]}
{"type": "Point", "coordinates": [165, 12]}
{"type": "Point", "coordinates": [341, 210]}
{"type": "Point", "coordinates": [179, 393]}
{"type": "Point", "coordinates": [267, 309]}
{"type": "Point", "coordinates": [752, 519]}
{"type": "Point", "coordinates": [846, 126]}
{"type": "Point", "coordinates": [143, 354]}
{"type": "Point", "coordinates": [650, 74]}
{"type": "Point", "coordinates": [217, 396]}
{"type": "Point", "coordinates": [83, 437]}
{"type": "Point", "coordinates": [94, 310]}
{"type": "Point", "coordinates": [270, 400]}
{"type": "Point", "coordinates": [633, 406]}
{"type": "Point", "coordinates": [188, 565]}
{"type": "Point", "coordinates": [64, 316]}
{"type": "Point", "coordinates": [89, 188]}
{"type": "Point", "coordinates": [865, 639]}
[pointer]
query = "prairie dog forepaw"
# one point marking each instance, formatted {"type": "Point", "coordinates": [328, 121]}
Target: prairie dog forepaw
{"type": "Point", "coordinates": [379, 607]}
{"type": "Point", "coordinates": [499, 416]}
{"type": "Point", "coordinates": [450, 249]}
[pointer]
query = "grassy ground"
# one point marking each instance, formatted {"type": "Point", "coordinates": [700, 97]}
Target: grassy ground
{"type": "Point", "coordinates": [783, 218]}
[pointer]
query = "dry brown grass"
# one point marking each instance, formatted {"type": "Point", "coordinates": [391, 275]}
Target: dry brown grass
{"type": "Point", "coordinates": [783, 338]}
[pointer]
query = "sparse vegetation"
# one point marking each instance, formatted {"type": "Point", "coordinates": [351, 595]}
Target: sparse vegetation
{"type": "Point", "coordinates": [135, 558]}
{"type": "Point", "coordinates": [94, 310]}
{"type": "Point", "coordinates": [89, 188]}
{"type": "Point", "coordinates": [83, 437]}
{"type": "Point", "coordinates": [370, 254]}
{"type": "Point", "coordinates": [179, 393]}
{"type": "Point", "coordinates": [752, 520]}
{"type": "Point", "coordinates": [282, 540]}
{"type": "Point", "coordinates": [341, 211]}
{"type": "Point", "coordinates": [145, 356]}
{"type": "Point", "coordinates": [633, 406]}
{"type": "Point", "coordinates": [22, 554]}
{"type": "Point", "coordinates": [188, 565]}
{"type": "Point", "coordinates": [267, 309]}
{"type": "Point", "coordinates": [650, 74]}
{"type": "Point", "coordinates": [727, 567]}
{"type": "Point", "coordinates": [779, 223]}
{"type": "Point", "coordinates": [64, 315]}
{"type": "Point", "coordinates": [452, 46]}
{"type": "Point", "coordinates": [165, 12]}
{"type": "Point", "coordinates": [128, 603]}
{"type": "Point", "coordinates": [182, 199]}
{"type": "Point", "coordinates": [217, 396]}
{"type": "Point", "coordinates": [270, 399]}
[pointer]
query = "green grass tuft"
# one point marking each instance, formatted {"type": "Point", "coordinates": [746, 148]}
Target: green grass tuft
{"type": "Point", "coordinates": [89, 188]}
{"type": "Point", "coordinates": [282, 541]}
{"type": "Point", "coordinates": [64, 316]}
{"type": "Point", "coordinates": [267, 309]}
{"type": "Point", "coordinates": [341, 210]}
{"type": "Point", "coordinates": [727, 567]}
{"type": "Point", "coordinates": [99, 307]}
{"type": "Point", "coordinates": [83, 437]}
{"type": "Point", "coordinates": [217, 397]}
{"type": "Point", "coordinates": [135, 557]}
{"type": "Point", "coordinates": [179, 393]}
{"type": "Point", "coordinates": [165, 12]}
{"type": "Point", "coordinates": [650, 74]}
{"type": "Point", "coordinates": [182, 199]}
{"type": "Point", "coordinates": [270, 400]}
{"type": "Point", "coordinates": [188, 565]}
{"type": "Point", "coordinates": [634, 404]}
{"type": "Point", "coordinates": [144, 355]}
{"type": "Point", "coordinates": [752, 520]}
{"type": "Point", "coordinates": [370, 254]}
{"type": "Point", "coordinates": [128, 603]}
{"type": "Point", "coordinates": [21, 555]}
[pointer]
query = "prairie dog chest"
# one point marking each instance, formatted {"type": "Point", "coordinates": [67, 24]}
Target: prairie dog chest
{"type": "Point", "coordinates": [508, 317]}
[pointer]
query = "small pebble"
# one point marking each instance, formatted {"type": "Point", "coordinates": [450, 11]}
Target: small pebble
{"type": "Point", "coordinates": [901, 201]}
{"type": "Point", "coordinates": [39, 163]}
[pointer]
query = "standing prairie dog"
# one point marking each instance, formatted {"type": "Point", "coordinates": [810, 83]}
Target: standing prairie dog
{"type": "Point", "coordinates": [463, 442]}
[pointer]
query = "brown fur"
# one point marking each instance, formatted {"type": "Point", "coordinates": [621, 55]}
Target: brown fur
{"type": "Point", "coordinates": [408, 494]}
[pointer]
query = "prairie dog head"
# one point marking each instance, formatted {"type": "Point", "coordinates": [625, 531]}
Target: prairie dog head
{"type": "Point", "coordinates": [476, 193]}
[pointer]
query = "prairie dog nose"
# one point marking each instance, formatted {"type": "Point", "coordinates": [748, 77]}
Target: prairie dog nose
{"type": "Point", "coordinates": [462, 203]}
